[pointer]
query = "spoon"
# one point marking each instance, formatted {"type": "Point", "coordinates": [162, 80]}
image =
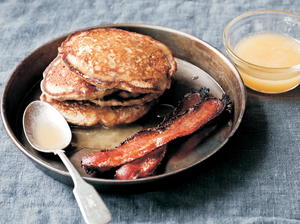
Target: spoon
{"type": "Point", "coordinates": [47, 131]}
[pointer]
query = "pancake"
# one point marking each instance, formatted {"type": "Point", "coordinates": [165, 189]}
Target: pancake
{"type": "Point", "coordinates": [117, 59]}
{"type": "Point", "coordinates": [107, 76]}
{"type": "Point", "coordinates": [83, 113]}
{"type": "Point", "coordinates": [61, 83]}
{"type": "Point", "coordinates": [144, 98]}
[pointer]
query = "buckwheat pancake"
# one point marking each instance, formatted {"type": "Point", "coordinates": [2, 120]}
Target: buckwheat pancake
{"type": "Point", "coordinates": [117, 59]}
{"type": "Point", "coordinates": [83, 113]}
{"type": "Point", "coordinates": [61, 83]}
{"type": "Point", "coordinates": [107, 76]}
{"type": "Point", "coordinates": [119, 101]}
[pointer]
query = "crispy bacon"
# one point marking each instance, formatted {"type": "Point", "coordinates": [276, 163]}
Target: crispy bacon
{"type": "Point", "coordinates": [189, 101]}
{"type": "Point", "coordinates": [146, 141]}
{"type": "Point", "coordinates": [141, 167]}
{"type": "Point", "coordinates": [146, 165]}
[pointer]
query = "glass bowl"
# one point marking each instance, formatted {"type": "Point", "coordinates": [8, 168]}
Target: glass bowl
{"type": "Point", "coordinates": [260, 78]}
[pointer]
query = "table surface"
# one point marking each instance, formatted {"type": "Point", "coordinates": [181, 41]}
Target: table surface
{"type": "Point", "coordinates": [254, 179]}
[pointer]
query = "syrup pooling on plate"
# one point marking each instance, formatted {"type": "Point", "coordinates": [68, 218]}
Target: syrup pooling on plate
{"type": "Point", "coordinates": [102, 138]}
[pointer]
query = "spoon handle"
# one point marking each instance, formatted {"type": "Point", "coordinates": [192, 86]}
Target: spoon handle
{"type": "Point", "coordinates": [90, 203]}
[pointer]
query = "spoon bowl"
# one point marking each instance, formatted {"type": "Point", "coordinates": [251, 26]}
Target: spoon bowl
{"type": "Point", "coordinates": [45, 128]}
{"type": "Point", "coordinates": [47, 131]}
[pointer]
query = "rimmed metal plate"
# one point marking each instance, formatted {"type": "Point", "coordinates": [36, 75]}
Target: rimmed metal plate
{"type": "Point", "coordinates": [199, 65]}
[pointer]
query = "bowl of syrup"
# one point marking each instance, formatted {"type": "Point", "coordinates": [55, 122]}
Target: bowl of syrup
{"type": "Point", "coordinates": [265, 47]}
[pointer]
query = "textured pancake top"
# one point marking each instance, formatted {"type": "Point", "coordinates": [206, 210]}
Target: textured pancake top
{"type": "Point", "coordinates": [114, 58]}
{"type": "Point", "coordinates": [63, 84]}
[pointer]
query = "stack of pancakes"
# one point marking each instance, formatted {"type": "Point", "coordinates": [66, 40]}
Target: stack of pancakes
{"type": "Point", "coordinates": [107, 76]}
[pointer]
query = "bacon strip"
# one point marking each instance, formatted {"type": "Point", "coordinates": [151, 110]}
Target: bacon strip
{"type": "Point", "coordinates": [146, 165]}
{"type": "Point", "coordinates": [141, 167]}
{"type": "Point", "coordinates": [146, 141]}
{"type": "Point", "coordinates": [189, 101]}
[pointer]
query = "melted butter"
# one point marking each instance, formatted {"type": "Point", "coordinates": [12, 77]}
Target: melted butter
{"type": "Point", "coordinates": [48, 136]}
{"type": "Point", "coordinates": [269, 50]}
{"type": "Point", "coordinates": [101, 138]}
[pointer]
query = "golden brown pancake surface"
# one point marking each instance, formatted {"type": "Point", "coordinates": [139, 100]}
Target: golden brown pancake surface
{"type": "Point", "coordinates": [86, 114]}
{"type": "Point", "coordinates": [63, 84]}
{"type": "Point", "coordinates": [114, 58]}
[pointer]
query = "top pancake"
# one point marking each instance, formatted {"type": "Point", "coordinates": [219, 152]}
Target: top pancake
{"type": "Point", "coordinates": [113, 58]}
{"type": "Point", "coordinates": [61, 83]}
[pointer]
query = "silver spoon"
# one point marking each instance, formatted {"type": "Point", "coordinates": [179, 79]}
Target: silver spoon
{"type": "Point", "coordinates": [47, 131]}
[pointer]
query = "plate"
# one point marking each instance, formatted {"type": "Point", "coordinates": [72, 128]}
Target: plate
{"type": "Point", "coordinates": [199, 65]}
